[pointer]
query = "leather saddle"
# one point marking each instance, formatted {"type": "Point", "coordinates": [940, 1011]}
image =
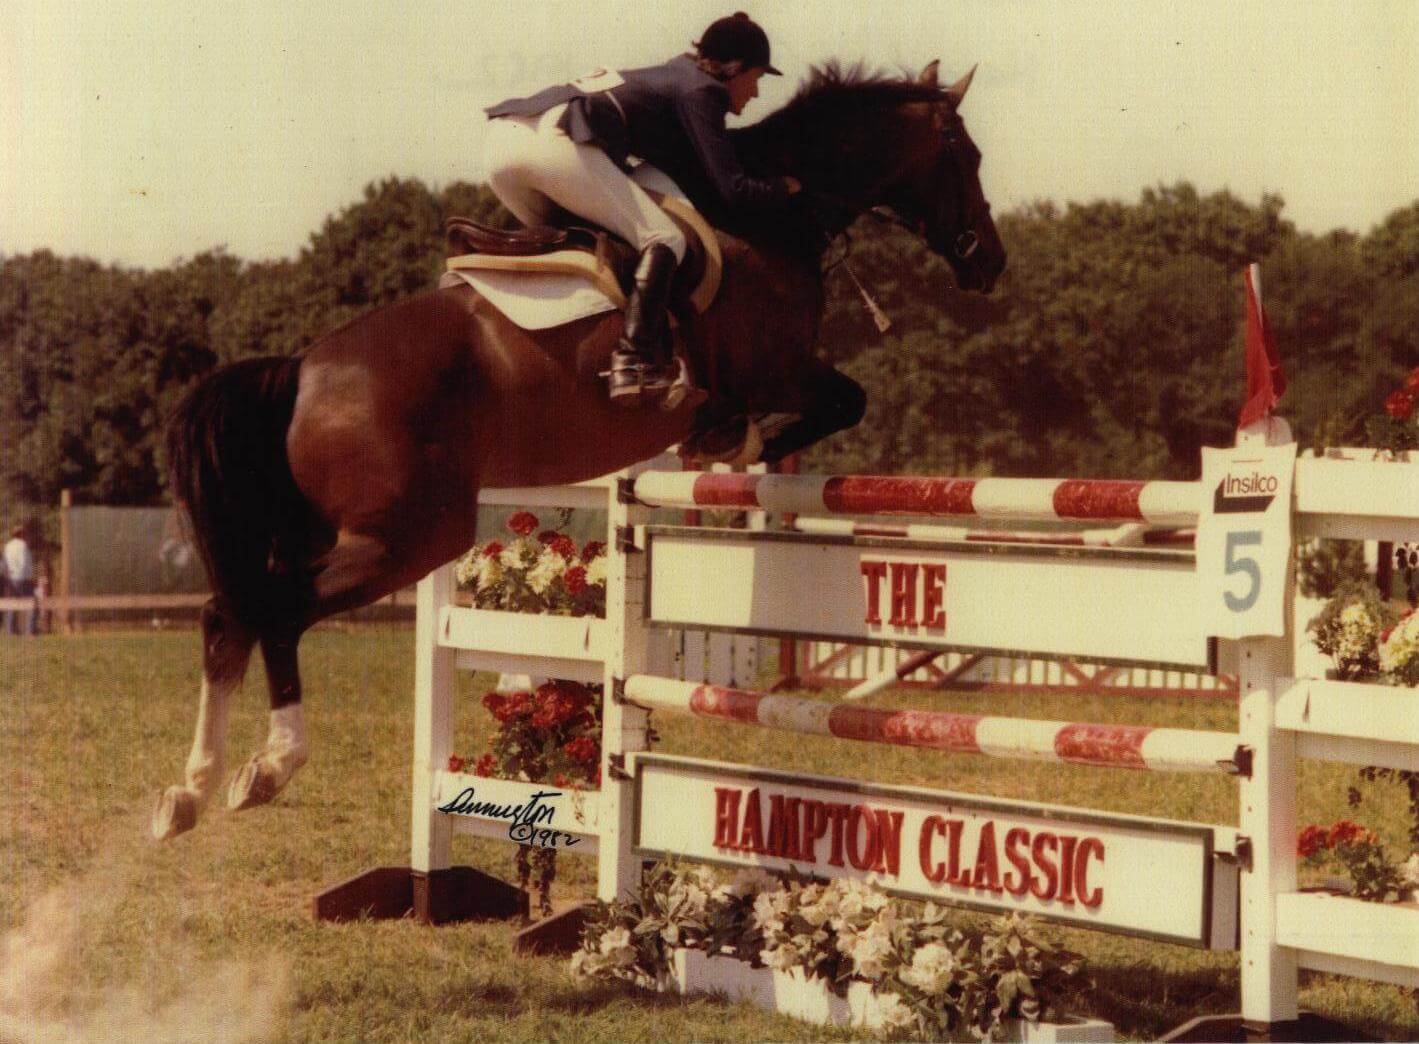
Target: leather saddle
{"type": "Point", "coordinates": [606, 260]}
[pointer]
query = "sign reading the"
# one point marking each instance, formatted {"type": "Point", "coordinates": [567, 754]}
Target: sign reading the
{"type": "Point", "coordinates": [1092, 604]}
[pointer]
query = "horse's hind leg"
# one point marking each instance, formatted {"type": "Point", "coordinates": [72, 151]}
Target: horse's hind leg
{"type": "Point", "coordinates": [226, 650]}
{"type": "Point", "coordinates": [271, 768]}
{"type": "Point", "coordinates": [355, 572]}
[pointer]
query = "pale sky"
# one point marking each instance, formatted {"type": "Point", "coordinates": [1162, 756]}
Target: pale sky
{"type": "Point", "coordinates": [143, 132]}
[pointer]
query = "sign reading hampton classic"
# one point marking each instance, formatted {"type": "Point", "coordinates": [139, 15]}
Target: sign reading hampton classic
{"type": "Point", "coordinates": [1120, 873]}
{"type": "Point", "coordinates": [1068, 602]}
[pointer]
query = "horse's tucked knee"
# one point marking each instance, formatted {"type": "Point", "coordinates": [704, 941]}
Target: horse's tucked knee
{"type": "Point", "coordinates": [852, 404]}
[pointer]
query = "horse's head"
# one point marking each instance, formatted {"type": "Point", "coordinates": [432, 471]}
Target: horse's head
{"type": "Point", "coordinates": [859, 141]}
{"type": "Point", "coordinates": [932, 182]}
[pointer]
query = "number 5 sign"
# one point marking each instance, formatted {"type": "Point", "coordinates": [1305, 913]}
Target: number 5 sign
{"type": "Point", "coordinates": [1244, 538]}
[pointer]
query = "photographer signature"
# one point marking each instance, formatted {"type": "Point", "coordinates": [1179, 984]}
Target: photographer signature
{"type": "Point", "coordinates": [525, 821]}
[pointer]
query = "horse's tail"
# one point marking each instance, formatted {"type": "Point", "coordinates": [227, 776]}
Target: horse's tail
{"type": "Point", "coordinates": [228, 470]}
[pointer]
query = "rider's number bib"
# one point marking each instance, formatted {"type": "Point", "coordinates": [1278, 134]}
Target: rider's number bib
{"type": "Point", "coordinates": [597, 81]}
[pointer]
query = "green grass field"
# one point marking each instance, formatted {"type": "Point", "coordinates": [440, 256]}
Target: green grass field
{"type": "Point", "coordinates": [210, 937]}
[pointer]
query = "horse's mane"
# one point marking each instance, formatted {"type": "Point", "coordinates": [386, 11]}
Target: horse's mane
{"type": "Point", "coordinates": [833, 99]}
{"type": "Point", "coordinates": [833, 86]}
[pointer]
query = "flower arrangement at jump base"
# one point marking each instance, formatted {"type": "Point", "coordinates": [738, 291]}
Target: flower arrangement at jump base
{"type": "Point", "coordinates": [907, 976]}
{"type": "Point", "coordinates": [1375, 875]}
{"type": "Point", "coordinates": [1362, 633]}
{"type": "Point", "coordinates": [546, 573]}
{"type": "Point", "coordinates": [1397, 429]}
{"type": "Point", "coordinates": [551, 735]}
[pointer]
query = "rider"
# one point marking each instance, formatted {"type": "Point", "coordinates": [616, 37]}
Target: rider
{"type": "Point", "coordinates": [567, 147]}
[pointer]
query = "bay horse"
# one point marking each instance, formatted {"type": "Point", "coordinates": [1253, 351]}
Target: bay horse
{"type": "Point", "coordinates": [321, 483]}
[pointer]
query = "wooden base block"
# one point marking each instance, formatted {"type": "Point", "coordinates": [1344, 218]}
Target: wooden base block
{"type": "Point", "coordinates": [558, 934]}
{"type": "Point", "coordinates": [1232, 1028]}
{"type": "Point", "coordinates": [459, 893]}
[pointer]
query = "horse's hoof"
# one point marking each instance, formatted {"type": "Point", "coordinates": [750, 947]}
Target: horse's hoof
{"type": "Point", "coordinates": [175, 813]}
{"type": "Point", "coordinates": [253, 785]}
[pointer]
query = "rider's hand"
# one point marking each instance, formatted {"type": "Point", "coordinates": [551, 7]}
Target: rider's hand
{"type": "Point", "coordinates": [793, 185]}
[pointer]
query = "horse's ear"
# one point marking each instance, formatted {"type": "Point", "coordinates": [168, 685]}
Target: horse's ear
{"type": "Point", "coordinates": [927, 77]}
{"type": "Point", "coordinates": [957, 91]}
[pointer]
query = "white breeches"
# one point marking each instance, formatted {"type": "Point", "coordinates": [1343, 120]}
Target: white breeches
{"type": "Point", "coordinates": [533, 167]}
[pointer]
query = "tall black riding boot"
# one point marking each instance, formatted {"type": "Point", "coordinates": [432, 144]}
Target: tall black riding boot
{"type": "Point", "coordinates": [642, 361]}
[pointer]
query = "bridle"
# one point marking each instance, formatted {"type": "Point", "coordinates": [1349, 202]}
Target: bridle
{"type": "Point", "coordinates": [967, 242]}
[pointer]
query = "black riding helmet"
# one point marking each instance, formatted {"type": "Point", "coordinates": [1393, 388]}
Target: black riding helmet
{"type": "Point", "coordinates": [737, 37]}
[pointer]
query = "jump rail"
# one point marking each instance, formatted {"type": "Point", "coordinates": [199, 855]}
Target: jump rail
{"type": "Point", "coordinates": [1079, 743]}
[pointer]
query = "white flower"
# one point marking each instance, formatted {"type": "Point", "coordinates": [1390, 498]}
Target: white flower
{"type": "Point", "coordinates": [511, 556]}
{"type": "Point", "coordinates": [466, 568]}
{"type": "Point", "coordinates": [1355, 616]}
{"type": "Point", "coordinates": [895, 1015]}
{"type": "Point", "coordinates": [616, 946]}
{"type": "Point", "coordinates": [585, 964]}
{"type": "Point", "coordinates": [770, 910]}
{"type": "Point", "coordinates": [596, 571]}
{"type": "Point", "coordinates": [490, 573]}
{"type": "Point", "coordinates": [1409, 872]}
{"type": "Point", "coordinates": [930, 969]}
{"type": "Point", "coordinates": [1402, 644]}
{"type": "Point", "coordinates": [870, 952]}
{"type": "Point", "coordinates": [548, 568]}
{"type": "Point", "coordinates": [781, 958]}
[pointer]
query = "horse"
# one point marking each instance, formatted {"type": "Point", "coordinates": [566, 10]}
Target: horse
{"type": "Point", "coordinates": [320, 483]}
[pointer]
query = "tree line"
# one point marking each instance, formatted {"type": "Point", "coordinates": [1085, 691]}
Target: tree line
{"type": "Point", "coordinates": [1111, 347]}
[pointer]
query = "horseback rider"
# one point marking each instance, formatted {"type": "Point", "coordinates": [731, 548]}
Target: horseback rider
{"type": "Point", "coordinates": [568, 147]}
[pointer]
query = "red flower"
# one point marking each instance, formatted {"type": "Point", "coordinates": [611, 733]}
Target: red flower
{"type": "Point", "coordinates": [575, 579]}
{"type": "Point", "coordinates": [492, 549]}
{"type": "Point", "coordinates": [547, 536]}
{"type": "Point", "coordinates": [558, 702]}
{"type": "Point", "coordinates": [1411, 383]}
{"type": "Point", "coordinates": [522, 523]}
{"type": "Point", "coordinates": [560, 780]}
{"type": "Point", "coordinates": [592, 549]}
{"type": "Point", "coordinates": [1312, 840]}
{"type": "Point", "coordinates": [506, 708]}
{"type": "Point", "coordinates": [1346, 832]}
{"type": "Point", "coordinates": [455, 763]}
{"type": "Point", "coordinates": [1399, 404]}
{"type": "Point", "coordinates": [487, 764]}
{"type": "Point", "coordinates": [564, 546]}
{"type": "Point", "coordinates": [582, 749]}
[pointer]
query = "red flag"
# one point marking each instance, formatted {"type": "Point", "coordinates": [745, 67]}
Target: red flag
{"type": "Point", "coordinates": [1265, 380]}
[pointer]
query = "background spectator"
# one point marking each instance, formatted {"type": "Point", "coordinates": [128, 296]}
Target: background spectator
{"type": "Point", "coordinates": [19, 566]}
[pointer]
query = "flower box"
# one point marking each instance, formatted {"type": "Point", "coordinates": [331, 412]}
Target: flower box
{"type": "Point", "coordinates": [792, 993]}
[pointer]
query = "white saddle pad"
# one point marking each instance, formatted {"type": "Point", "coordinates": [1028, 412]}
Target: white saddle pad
{"type": "Point", "coordinates": [539, 302]}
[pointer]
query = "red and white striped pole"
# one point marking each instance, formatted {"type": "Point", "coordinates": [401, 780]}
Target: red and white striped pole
{"type": "Point", "coordinates": [1128, 534]}
{"type": "Point", "coordinates": [1157, 503]}
{"type": "Point", "coordinates": [1111, 746]}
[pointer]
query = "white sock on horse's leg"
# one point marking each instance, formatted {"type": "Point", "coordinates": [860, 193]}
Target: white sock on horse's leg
{"type": "Point", "coordinates": [207, 761]}
{"type": "Point", "coordinates": [286, 748]}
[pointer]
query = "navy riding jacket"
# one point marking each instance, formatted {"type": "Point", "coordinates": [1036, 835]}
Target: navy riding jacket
{"type": "Point", "coordinates": [669, 115]}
